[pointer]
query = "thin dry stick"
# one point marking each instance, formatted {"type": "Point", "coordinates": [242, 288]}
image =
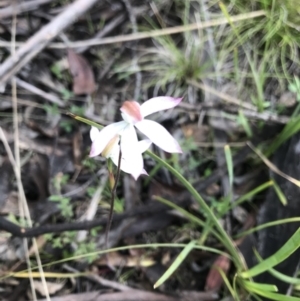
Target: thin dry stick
{"type": "Point", "coordinates": [223, 96]}
{"type": "Point", "coordinates": [17, 8]}
{"type": "Point", "coordinates": [42, 38]}
{"type": "Point", "coordinates": [22, 199]}
{"type": "Point", "coordinates": [272, 166]}
{"type": "Point", "coordinates": [16, 161]}
{"type": "Point", "coordinates": [135, 66]}
{"type": "Point", "coordinates": [147, 35]}
{"type": "Point", "coordinates": [113, 195]}
{"type": "Point", "coordinates": [37, 91]}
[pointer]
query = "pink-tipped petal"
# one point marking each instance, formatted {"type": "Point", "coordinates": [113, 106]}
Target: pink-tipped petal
{"type": "Point", "coordinates": [130, 151]}
{"type": "Point", "coordinates": [94, 133]}
{"type": "Point", "coordinates": [158, 104]}
{"type": "Point", "coordinates": [143, 145]}
{"type": "Point", "coordinates": [105, 136]}
{"type": "Point", "coordinates": [131, 111]}
{"type": "Point", "coordinates": [159, 136]}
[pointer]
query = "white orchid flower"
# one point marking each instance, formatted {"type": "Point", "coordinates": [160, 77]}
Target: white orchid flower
{"type": "Point", "coordinates": [112, 151]}
{"type": "Point", "coordinates": [134, 117]}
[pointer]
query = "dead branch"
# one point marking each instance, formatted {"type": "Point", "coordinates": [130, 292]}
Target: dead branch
{"type": "Point", "coordinates": [21, 7]}
{"type": "Point", "coordinates": [42, 38]}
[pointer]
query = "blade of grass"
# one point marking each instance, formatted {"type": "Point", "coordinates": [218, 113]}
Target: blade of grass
{"type": "Point", "coordinates": [279, 193]}
{"type": "Point", "coordinates": [245, 124]}
{"type": "Point", "coordinates": [50, 275]}
{"type": "Point", "coordinates": [284, 252]}
{"type": "Point", "coordinates": [259, 286]}
{"type": "Point", "coordinates": [270, 224]}
{"type": "Point", "coordinates": [228, 285]}
{"type": "Point", "coordinates": [177, 262]}
{"type": "Point", "coordinates": [229, 164]}
{"type": "Point", "coordinates": [251, 193]}
{"type": "Point", "coordinates": [226, 240]}
{"type": "Point", "coordinates": [289, 130]}
{"type": "Point", "coordinates": [123, 248]}
{"type": "Point", "coordinates": [278, 275]}
{"type": "Point", "coordinates": [274, 296]}
{"type": "Point", "coordinates": [188, 215]}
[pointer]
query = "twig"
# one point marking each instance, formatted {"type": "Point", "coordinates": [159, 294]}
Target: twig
{"type": "Point", "coordinates": [18, 231]}
{"type": "Point", "coordinates": [23, 206]}
{"type": "Point", "coordinates": [225, 97]}
{"type": "Point", "coordinates": [42, 38]}
{"type": "Point", "coordinates": [135, 66]}
{"type": "Point", "coordinates": [107, 29]}
{"type": "Point", "coordinates": [39, 92]}
{"type": "Point", "coordinates": [147, 35]}
{"type": "Point", "coordinates": [265, 116]}
{"type": "Point", "coordinates": [21, 8]}
{"type": "Point", "coordinates": [100, 280]}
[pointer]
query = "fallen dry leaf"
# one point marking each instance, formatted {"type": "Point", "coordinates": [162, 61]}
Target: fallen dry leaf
{"type": "Point", "coordinates": [53, 287]}
{"type": "Point", "coordinates": [198, 133]}
{"type": "Point", "coordinates": [214, 280]}
{"type": "Point", "coordinates": [82, 73]}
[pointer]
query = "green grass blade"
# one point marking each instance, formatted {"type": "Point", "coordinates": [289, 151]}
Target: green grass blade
{"type": "Point", "coordinates": [188, 215]}
{"type": "Point", "coordinates": [245, 124]}
{"type": "Point", "coordinates": [228, 284]}
{"type": "Point", "coordinates": [289, 130]}
{"type": "Point", "coordinates": [275, 296]}
{"type": "Point", "coordinates": [278, 275]}
{"type": "Point", "coordinates": [284, 252]}
{"type": "Point", "coordinates": [123, 248]}
{"type": "Point", "coordinates": [280, 194]}
{"type": "Point", "coordinates": [251, 193]}
{"type": "Point", "coordinates": [174, 266]}
{"type": "Point", "coordinates": [229, 164]}
{"type": "Point", "coordinates": [226, 240]}
{"type": "Point", "coordinates": [270, 224]}
{"type": "Point", "coordinates": [253, 286]}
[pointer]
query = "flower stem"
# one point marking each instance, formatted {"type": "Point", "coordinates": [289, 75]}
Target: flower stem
{"type": "Point", "coordinates": [113, 184]}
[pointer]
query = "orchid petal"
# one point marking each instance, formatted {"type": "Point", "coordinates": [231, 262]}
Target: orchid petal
{"type": "Point", "coordinates": [159, 136]}
{"type": "Point", "coordinates": [130, 151]}
{"type": "Point", "coordinates": [104, 136]}
{"type": "Point", "coordinates": [158, 104]}
{"type": "Point", "coordinates": [126, 165]}
{"type": "Point", "coordinates": [131, 111]}
{"type": "Point", "coordinates": [94, 133]}
{"type": "Point", "coordinates": [144, 172]}
{"type": "Point", "coordinates": [143, 145]}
